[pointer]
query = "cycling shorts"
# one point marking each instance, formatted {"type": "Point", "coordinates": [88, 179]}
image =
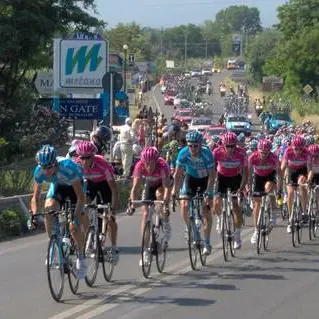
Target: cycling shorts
{"type": "Point", "coordinates": [149, 191]}
{"type": "Point", "coordinates": [61, 193]}
{"type": "Point", "coordinates": [315, 179]}
{"type": "Point", "coordinates": [293, 175]}
{"type": "Point", "coordinates": [101, 189]}
{"type": "Point", "coordinates": [260, 182]}
{"type": "Point", "coordinates": [224, 182]}
{"type": "Point", "coordinates": [192, 184]}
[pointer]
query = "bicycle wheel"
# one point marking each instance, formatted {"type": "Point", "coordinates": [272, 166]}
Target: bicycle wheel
{"type": "Point", "coordinates": [161, 247]}
{"type": "Point", "coordinates": [266, 229]}
{"type": "Point", "coordinates": [107, 259]}
{"type": "Point", "coordinates": [92, 255]}
{"type": "Point", "coordinates": [260, 231]}
{"type": "Point", "coordinates": [192, 247]}
{"type": "Point", "coordinates": [147, 254]}
{"type": "Point", "coordinates": [294, 229]}
{"type": "Point", "coordinates": [299, 228]}
{"type": "Point", "coordinates": [55, 263]}
{"type": "Point", "coordinates": [225, 237]}
{"type": "Point", "coordinates": [231, 233]}
{"type": "Point", "coordinates": [71, 265]}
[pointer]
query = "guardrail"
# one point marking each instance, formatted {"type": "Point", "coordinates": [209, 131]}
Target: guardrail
{"type": "Point", "coordinates": [22, 202]}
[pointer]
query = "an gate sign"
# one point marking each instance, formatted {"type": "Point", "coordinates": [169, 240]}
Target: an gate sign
{"type": "Point", "coordinates": [80, 63]}
{"type": "Point", "coordinates": [81, 109]}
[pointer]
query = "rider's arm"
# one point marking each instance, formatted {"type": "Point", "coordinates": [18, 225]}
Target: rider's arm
{"type": "Point", "coordinates": [35, 197]}
{"type": "Point", "coordinates": [178, 179]}
{"type": "Point", "coordinates": [137, 182]}
{"type": "Point", "coordinates": [211, 180]}
{"type": "Point", "coordinates": [78, 189]}
{"type": "Point", "coordinates": [115, 194]}
{"type": "Point", "coordinates": [245, 173]}
{"type": "Point", "coordinates": [167, 190]}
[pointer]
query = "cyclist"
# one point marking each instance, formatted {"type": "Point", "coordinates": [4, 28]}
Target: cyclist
{"type": "Point", "coordinates": [100, 181]}
{"type": "Point", "coordinates": [296, 161]}
{"type": "Point", "coordinates": [66, 181]}
{"type": "Point", "coordinates": [232, 170]}
{"type": "Point", "coordinates": [152, 171]}
{"type": "Point", "coordinates": [264, 168]}
{"type": "Point", "coordinates": [101, 136]}
{"type": "Point", "coordinates": [195, 161]}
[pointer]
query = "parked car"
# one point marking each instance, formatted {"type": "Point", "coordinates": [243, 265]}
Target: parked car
{"type": "Point", "coordinates": [238, 124]}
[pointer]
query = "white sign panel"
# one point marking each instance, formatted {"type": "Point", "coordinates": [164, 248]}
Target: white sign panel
{"type": "Point", "coordinates": [79, 63]}
{"type": "Point", "coordinates": [170, 64]}
{"type": "Point", "coordinates": [44, 82]}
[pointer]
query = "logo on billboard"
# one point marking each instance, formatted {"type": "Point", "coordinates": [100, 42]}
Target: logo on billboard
{"type": "Point", "coordinates": [82, 58]}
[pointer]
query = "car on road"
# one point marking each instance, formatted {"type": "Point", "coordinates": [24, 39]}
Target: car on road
{"type": "Point", "coordinates": [200, 124]}
{"type": "Point", "coordinates": [196, 73]}
{"type": "Point", "coordinates": [214, 130]}
{"type": "Point", "coordinates": [184, 115]}
{"type": "Point", "coordinates": [168, 99]}
{"type": "Point", "coordinates": [276, 121]}
{"type": "Point", "coordinates": [216, 68]}
{"type": "Point", "coordinates": [207, 71]}
{"type": "Point", "coordinates": [238, 124]}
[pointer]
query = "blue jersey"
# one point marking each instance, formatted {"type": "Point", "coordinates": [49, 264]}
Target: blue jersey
{"type": "Point", "coordinates": [197, 167]}
{"type": "Point", "coordinates": [67, 173]}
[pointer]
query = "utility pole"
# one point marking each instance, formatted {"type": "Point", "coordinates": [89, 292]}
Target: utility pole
{"type": "Point", "coordinates": [206, 50]}
{"type": "Point", "coordinates": [185, 46]}
{"type": "Point", "coordinates": [162, 43]}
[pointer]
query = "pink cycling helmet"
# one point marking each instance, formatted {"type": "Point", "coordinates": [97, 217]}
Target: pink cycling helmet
{"type": "Point", "coordinates": [298, 141]}
{"type": "Point", "coordinates": [314, 149]}
{"type": "Point", "coordinates": [264, 146]}
{"type": "Point", "coordinates": [86, 149]}
{"type": "Point", "coordinates": [149, 154]}
{"type": "Point", "coordinates": [230, 138]}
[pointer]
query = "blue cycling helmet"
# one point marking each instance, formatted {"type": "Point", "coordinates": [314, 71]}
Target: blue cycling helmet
{"type": "Point", "coordinates": [278, 141]}
{"type": "Point", "coordinates": [253, 145]}
{"type": "Point", "coordinates": [310, 140]}
{"type": "Point", "coordinates": [241, 138]}
{"type": "Point", "coordinates": [215, 138]}
{"type": "Point", "coordinates": [46, 155]}
{"type": "Point", "coordinates": [194, 137]}
{"type": "Point", "coordinates": [260, 136]}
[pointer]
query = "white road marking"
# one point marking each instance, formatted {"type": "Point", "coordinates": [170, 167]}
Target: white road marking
{"type": "Point", "coordinates": [178, 268]}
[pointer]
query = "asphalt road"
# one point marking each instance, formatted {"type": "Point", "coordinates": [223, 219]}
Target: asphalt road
{"type": "Point", "coordinates": [282, 283]}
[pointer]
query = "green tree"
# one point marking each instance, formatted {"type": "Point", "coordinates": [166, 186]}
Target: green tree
{"type": "Point", "coordinates": [26, 33]}
{"type": "Point", "coordinates": [260, 49]}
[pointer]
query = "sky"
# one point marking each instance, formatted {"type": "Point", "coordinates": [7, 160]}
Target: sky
{"type": "Point", "coordinates": [168, 13]}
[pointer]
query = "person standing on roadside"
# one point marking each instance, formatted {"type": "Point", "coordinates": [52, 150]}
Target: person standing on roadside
{"type": "Point", "coordinates": [126, 141]}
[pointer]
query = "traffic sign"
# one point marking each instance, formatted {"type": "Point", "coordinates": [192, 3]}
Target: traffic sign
{"type": "Point", "coordinates": [308, 89]}
{"type": "Point", "coordinates": [131, 59]}
{"type": "Point", "coordinates": [44, 82]}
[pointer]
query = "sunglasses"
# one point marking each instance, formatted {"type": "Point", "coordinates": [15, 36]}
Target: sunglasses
{"type": "Point", "coordinates": [45, 167]}
{"type": "Point", "coordinates": [193, 145]}
{"type": "Point", "coordinates": [83, 158]}
{"type": "Point", "coordinates": [264, 153]}
{"type": "Point", "coordinates": [230, 146]}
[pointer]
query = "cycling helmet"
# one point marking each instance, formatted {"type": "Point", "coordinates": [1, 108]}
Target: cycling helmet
{"type": "Point", "coordinates": [298, 141]}
{"type": "Point", "coordinates": [264, 146]}
{"type": "Point", "coordinates": [314, 149]}
{"type": "Point", "coordinates": [215, 138]}
{"type": "Point", "coordinates": [149, 154]}
{"type": "Point", "coordinates": [194, 137]}
{"type": "Point", "coordinates": [46, 155]}
{"type": "Point", "coordinates": [253, 145]}
{"type": "Point", "coordinates": [260, 136]}
{"type": "Point", "coordinates": [310, 140]}
{"type": "Point", "coordinates": [278, 141]}
{"type": "Point", "coordinates": [104, 133]}
{"type": "Point", "coordinates": [230, 138]}
{"type": "Point", "coordinates": [86, 149]}
{"type": "Point", "coordinates": [241, 138]}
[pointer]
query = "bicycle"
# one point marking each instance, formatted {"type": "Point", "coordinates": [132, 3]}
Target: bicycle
{"type": "Point", "coordinates": [296, 217]}
{"type": "Point", "coordinates": [153, 239]}
{"type": "Point", "coordinates": [313, 213]}
{"type": "Point", "coordinates": [228, 225]}
{"type": "Point", "coordinates": [94, 240]}
{"type": "Point", "coordinates": [264, 224]}
{"type": "Point", "coordinates": [195, 221]}
{"type": "Point", "coordinates": [62, 252]}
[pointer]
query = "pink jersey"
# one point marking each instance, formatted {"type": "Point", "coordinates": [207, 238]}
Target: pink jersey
{"type": "Point", "coordinates": [157, 177]}
{"type": "Point", "coordinates": [296, 161]}
{"type": "Point", "coordinates": [230, 165]}
{"type": "Point", "coordinates": [314, 162]}
{"type": "Point", "coordinates": [263, 167]}
{"type": "Point", "coordinates": [99, 171]}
